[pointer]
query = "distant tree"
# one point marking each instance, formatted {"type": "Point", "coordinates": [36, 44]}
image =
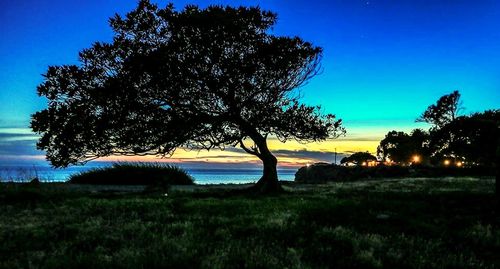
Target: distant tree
{"type": "Point", "coordinates": [473, 140]}
{"type": "Point", "coordinates": [358, 158]}
{"type": "Point", "coordinates": [394, 147]}
{"type": "Point", "coordinates": [443, 112]}
{"type": "Point", "coordinates": [401, 147]}
{"type": "Point", "coordinates": [196, 79]}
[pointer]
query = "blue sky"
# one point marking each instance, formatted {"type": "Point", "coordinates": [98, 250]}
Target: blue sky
{"type": "Point", "coordinates": [384, 61]}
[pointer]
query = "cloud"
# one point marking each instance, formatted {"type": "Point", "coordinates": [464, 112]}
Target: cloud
{"type": "Point", "coordinates": [359, 137]}
{"type": "Point", "coordinates": [21, 142]}
{"type": "Point", "coordinates": [15, 130]}
{"type": "Point", "coordinates": [4, 137]}
{"type": "Point", "coordinates": [19, 147]}
{"type": "Point", "coordinates": [318, 156]}
{"type": "Point", "coordinates": [18, 142]}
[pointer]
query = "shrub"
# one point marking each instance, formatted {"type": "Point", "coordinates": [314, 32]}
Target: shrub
{"type": "Point", "coordinates": [322, 172]}
{"type": "Point", "coordinates": [154, 174]}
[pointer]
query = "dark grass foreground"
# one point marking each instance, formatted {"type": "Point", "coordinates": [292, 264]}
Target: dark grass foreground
{"type": "Point", "coordinates": [134, 174]}
{"type": "Point", "coordinates": [412, 223]}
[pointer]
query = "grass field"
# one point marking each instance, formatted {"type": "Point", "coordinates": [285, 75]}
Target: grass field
{"type": "Point", "coordinates": [409, 223]}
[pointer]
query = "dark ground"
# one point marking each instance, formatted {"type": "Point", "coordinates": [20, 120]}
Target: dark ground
{"type": "Point", "coordinates": [406, 223]}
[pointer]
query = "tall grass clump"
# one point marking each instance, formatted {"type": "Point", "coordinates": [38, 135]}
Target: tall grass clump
{"type": "Point", "coordinates": [19, 175]}
{"type": "Point", "coordinates": [153, 174]}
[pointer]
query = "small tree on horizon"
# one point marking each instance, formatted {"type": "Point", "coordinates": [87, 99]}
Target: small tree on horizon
{"type": "Point", "coordinates": [358, 158]}
{"type": "Point", "coordinates": [196, 79]}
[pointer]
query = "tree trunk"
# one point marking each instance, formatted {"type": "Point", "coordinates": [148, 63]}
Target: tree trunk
{"type": "Point", "coordinates": [497, 178]}
{"type": "Point", "coordinates": [497, 184]}
{"type": "Point", "coordinates": [497, 167]}
{"type": "Point", "coordinates": [268, 183]}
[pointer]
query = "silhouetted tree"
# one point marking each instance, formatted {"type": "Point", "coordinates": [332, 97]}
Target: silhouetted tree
{"type": "Point", "coordinates": [400, 147]}
{"type": "Point", "coordinates": [473, 138]}
{"type": "Point", "coordinates": [358, 158]}
{"type": "Point", "coordinates": [444, 111]}
{"type": "Point", "coordinates": [196, 78]}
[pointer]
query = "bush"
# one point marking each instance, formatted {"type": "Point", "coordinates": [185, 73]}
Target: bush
{"type": "Point", "coordinates": [323, 172]}
{"type": "Point", "coordinates": [153, 174]}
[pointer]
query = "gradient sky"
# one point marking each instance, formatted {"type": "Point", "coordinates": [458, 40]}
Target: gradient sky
{"type": "Point", "coordinates": [384, 63]}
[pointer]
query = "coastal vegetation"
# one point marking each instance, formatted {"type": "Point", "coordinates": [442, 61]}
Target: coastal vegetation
{"type": "Point", "coordinates": [471, 141]}
{"type": "Point", "coordinates": [452, 139]}
{"type": "Point", "coordinates": [151, 174]}
{"type": "Point", "coordinates": [324, 172]}
{"type": "Point", "coordinates": [358, 158]}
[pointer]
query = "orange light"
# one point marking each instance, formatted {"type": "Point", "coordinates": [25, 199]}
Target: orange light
{"type": "Point", "coordinates": [459, 164]}
{"type": "Point", "coordinates": [363, 164]}
{"type": "Point", "coordinates": [446, 162]}
{"type": "Point", "coordinates": [416, 158]}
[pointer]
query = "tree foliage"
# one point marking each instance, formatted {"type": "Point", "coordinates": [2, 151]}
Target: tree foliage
{"type": "Point", "coordinates": [195, 78]}
{"type": "Point", "coordinates": [358, 158]}
{"type": "Point", "coordinates": [400, 147]}
{"type": "Point", "coordinates": [473, 138]}
{"type": "Point", "coordinates": [443, 112]}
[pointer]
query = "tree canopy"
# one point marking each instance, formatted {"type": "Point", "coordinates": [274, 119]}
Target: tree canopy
{"type": "Point", "coordinates": [400, 147]}
{"type": "Point", "coordinates": [358, 158]}
{"type": "Point", "coordinates": [444, 111]}
{"type": "Point", "coordinates": [469, 139]}
{"type": "Point", "coordinates": [195, 78]}
{"type": "Point", "coordinates": [474, 138]}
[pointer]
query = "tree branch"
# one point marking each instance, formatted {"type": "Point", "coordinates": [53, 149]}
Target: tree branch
{"type": "Point", "coordinates": [252, 151]}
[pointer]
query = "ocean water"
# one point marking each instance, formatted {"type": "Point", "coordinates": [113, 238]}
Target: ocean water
{"type": "Point", "coordinates": [19, 173]}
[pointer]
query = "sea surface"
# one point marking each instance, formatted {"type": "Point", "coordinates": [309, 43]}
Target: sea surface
{"type": "Point", "coordinates": [23, 173]}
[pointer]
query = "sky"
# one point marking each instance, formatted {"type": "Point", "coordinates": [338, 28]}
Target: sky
{"type": "Point", "coordinates": [384, 62]}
